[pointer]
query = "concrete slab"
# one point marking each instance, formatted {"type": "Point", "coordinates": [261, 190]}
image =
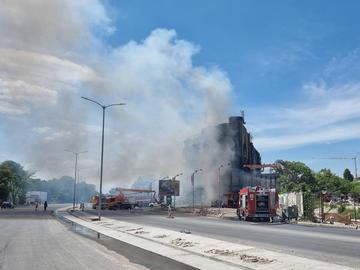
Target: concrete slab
{"type": "Point", "coordinates": [198, 251]}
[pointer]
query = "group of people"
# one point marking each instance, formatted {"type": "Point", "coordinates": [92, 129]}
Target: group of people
{"type": "Point", "coordinates": [37, 206]}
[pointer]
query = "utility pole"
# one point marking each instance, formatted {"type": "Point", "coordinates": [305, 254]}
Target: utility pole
{"type": "Point", "coordinates": [104, 107]}
{"type": "Point", "coordinates": [193, 186]}
{"type": "Point", "coordinates": [76, 170]}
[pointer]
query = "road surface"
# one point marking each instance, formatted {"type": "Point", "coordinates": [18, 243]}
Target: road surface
{"type": "Point", "coordinates": [340, 246]}
{"type": "Point", "coordinates": [37, 241]}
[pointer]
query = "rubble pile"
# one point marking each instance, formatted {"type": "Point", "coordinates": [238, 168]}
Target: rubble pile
{"type": "Point", "coordinates": [181, 242]}
{"type": "Point", "coordinates": [223, 252]}
{"type": "Point", "coordinates": [160, 236]}
{"type": "Point", "coordinates": [254, 259]}
{"type": "Point", "coordinates": [244, 257]}
{"type": "Point", "coordinates": [141, 232]}
{"type": "Point", "coordinates": [134, 229]}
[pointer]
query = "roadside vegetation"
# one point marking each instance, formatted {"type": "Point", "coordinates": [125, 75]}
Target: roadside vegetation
{"type": "Point", "coordinates": [295, 176]}
{"type": "Point", "coordinates": [15, 181]}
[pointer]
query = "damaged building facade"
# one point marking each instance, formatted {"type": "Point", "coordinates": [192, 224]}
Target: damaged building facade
{"type": "Point", "coordinates": [228, 144]}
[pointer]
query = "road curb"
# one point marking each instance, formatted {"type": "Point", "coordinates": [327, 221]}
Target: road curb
{"type": "Point", "coordinates": [179, 255]}
{"type": "Point", "coordinates": [226, 254]}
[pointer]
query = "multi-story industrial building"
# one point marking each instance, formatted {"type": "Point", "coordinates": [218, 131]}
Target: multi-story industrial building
{"type": "Point", "coordinates": [228, 144]}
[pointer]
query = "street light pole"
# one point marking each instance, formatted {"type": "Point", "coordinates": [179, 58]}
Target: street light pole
{"type": "Point", "coordinates": [193, 186]}
{"type": "Point", "coordinates": [219, 176]}
{"type": "Point", "coordinates": [102, 147]}
{"type": "Point", "coordinates": [219, 185]}
{"type": "Point", "coordinates": [76, 161]}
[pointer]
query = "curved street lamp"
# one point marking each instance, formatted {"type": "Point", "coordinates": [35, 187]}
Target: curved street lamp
{"type": "Point", "coordinates": [104, 107]}
{"type": "Point", "coordinates": [76, 161]}
{"type": "Point", "coordinates": [219, 176]}
{"type": "Point", "coordinates": [193, 186]}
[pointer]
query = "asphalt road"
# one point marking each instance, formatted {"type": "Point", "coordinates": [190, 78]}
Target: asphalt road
{"type": "Point", "coordinates": [38, 241]}
{"type": "Point", "coordinates": [337, 245]}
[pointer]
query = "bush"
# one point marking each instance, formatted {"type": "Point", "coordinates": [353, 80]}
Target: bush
{"type": "Point", "coordinates": [341, 209]}
{"type": "Point", "coordinates": [351, 212]}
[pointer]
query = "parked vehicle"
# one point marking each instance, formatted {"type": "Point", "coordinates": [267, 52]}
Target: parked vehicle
{"type": "Point", "coordinates": [6, 204]}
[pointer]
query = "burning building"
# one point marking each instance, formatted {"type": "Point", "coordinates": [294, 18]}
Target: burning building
{"type": "Point", "coordinates": [227, 143]}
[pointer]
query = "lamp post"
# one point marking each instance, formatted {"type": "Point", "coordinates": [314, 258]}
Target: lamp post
{"type": "Point", "coordinates": [76, 161]}
{"type": "Point", "coordinates": [193, 186]}
{"type": "Point", "coordinates": [219, 198]}
{"type": "Point", "coordinates": [104, 107]}
{"type": "Point", "coordinates": [173, 180]}
{"type": "Point", "coordinates": [219, 176]}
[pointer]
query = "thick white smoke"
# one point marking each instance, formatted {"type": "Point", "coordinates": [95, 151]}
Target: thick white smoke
{"type": "Point", "coordinates": [50, 59]}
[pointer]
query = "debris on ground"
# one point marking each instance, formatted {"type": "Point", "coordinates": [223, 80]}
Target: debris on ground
{"type": "Point", "coordinates": [180, 242]}
{"type": "Point", "coordinates": [141, 232]}
{"type": "Point", "coordinates": [254, 259]}
{"type": "Point", "coordinates": [244, 257]}
{"type": "Point", "coordinates": [223, 252]}
{"type": "Point", "coordinates": [134, 229]}
{"type": "Point", "coordinates": [160, 236]}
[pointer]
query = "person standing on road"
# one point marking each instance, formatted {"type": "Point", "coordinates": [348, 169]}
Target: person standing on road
{"type": "Point", "coordinates": [169, 212]}
{"type": "Point", "coordinates": [36, 206]}
{"type": "Point", "coordinates": [45, 205]}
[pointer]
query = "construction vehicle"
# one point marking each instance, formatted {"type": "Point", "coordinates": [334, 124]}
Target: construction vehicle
{"type": "Point", "coordinates": [139, 197]}
{"type": "Point", "coordinates": [113, 202]}
{"type": "Point", "coordinates": [257, 204]}
{"type": "Point", "coordinates": [124, 199]}
{"type": "Point", "coordinates": [95, 202]}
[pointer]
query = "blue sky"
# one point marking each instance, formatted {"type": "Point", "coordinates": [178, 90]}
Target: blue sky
{"type": "Point", "coordinates": [270, 51]}
{"type": "Point", "coordinates": [292, 66]}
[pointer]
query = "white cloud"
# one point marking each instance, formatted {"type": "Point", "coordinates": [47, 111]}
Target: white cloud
{"type": "Point", "coordinates": [31, 79]}
{"type": "Point", "coordinates": [41, 130]}
{"type": "Point", "coordinates": [59, 134]}
{"type": "Point", "coordinates": [329, 112]}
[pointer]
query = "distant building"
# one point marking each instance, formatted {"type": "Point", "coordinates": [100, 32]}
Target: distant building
{"type": "Point", "coordinates": [36, 196]}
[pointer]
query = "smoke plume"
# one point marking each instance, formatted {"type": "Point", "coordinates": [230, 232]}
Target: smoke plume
{"type": "Point", "coordinates": [49, 59]}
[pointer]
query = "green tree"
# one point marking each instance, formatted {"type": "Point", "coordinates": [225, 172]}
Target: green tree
{"type": "Point", "coordinates": [355, 190]}
{"type": "Point", "coordinates": [347, 175]}
{"type": "Point", "coordinates": [17, 184]}
{"type": "Point", "coordinates": [61, 190]}
{"type": "Point", "coordinates": [6, 176]}
{"type": "Point", "coordinates": [296, 176]}
{"type": "Point", "coordinates": [328, 181]}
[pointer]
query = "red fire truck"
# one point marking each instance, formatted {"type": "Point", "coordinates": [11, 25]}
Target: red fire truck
{"type": "Point", "coordinates": [257, 203]}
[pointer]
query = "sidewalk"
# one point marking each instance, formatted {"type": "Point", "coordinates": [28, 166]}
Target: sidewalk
{"type": "Point", "coordinates": [197, 251]}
